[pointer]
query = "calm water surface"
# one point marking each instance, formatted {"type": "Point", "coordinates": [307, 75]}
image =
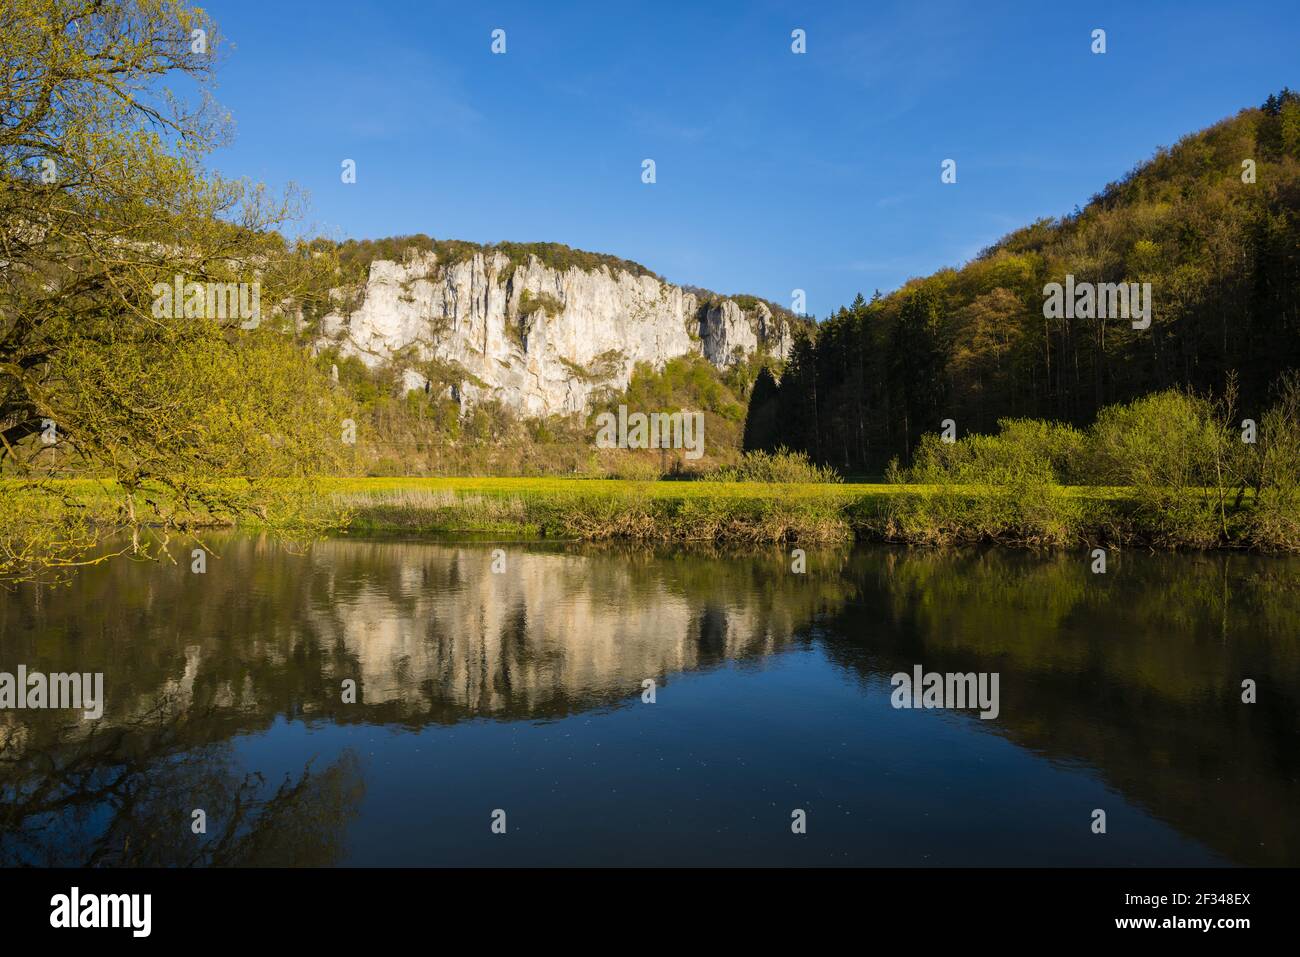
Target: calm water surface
{"type": "Point", "coordinates": [522, 691]}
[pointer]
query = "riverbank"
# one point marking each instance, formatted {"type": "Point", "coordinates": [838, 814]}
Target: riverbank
{"type": "Point", "coordinates": [1031, 514]}
{"type": "Point", "coordinates": [747, 512]}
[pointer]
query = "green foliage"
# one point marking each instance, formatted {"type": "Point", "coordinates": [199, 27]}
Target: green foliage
{"type": "Point", "coordinates": [1063, 448]}
{"type": "Point", "coordinates": [916, 361]}
{"type": "Point", "coordinates": [1023, 448]}
{"type": "Point", "coordinates": [1275, 475]}
{"type": "Point", "coordinates": [1028, 510]}
{"type": "Point", "coordinates": [689, 382]}
{"type": "Point", "coordinates": [972, 345]}
{"type": "Point", "coordinates": [984, 487]}
{"type": "Point", "coordinates": [542, 302]}
{"type": "Point", "coordinates": [761, 425]}
{"type": "Point", "coordinates": [356, 255]}
{"type": "Point", "coordinates": [605, 366]}
{"type": "Point", "coordinates": [1166, 440]}
{"type": "Point", "coordinates": [170, 414]}
{"type": "Point", "coordinates": [562, 258]}
{"type": "Point", "coordinates": [428, 432]}
{"type": "Point", "coordinates": [635, 508]}
{"type": "Point", "coordinates": [1187, 477]}
{"type": "Point", "coordinates": [780, 465]}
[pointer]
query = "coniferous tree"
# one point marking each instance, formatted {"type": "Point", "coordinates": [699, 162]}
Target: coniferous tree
{"type": "Point", "coordinates": [1220, 250]}
{"type": "Point", "coordinates": [917, 362]}
{"type": "Point", "coordinates": [762, 427]}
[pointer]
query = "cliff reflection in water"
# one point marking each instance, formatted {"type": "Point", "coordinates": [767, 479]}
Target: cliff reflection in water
{"type": "Point", "coordinates": [1134, 676]}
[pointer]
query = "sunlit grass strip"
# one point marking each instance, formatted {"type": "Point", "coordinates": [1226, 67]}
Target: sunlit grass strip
{"type": "Point", "coordinates": [594, 510]}
{"type": "Point", "coordinates": [668, 489]}
{"type": "Point", "coordinates": [658, 511]}
{"type": "Point", "coordinates": [1036, 514]}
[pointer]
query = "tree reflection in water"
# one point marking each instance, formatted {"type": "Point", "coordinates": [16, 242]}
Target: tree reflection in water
{"type": "Point", "coordinates": [1133, 676]}
{"type": "Point", "coordinates": [124, 796]}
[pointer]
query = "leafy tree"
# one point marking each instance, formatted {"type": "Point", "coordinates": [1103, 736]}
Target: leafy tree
{"type": "Point", "coordinates": [1221, 255]}
{"type": "Point", "coordinates": [103, 203]}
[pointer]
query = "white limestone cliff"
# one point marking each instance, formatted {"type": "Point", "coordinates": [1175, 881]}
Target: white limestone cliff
{"type": "Point", "coordinates": [539, 339]}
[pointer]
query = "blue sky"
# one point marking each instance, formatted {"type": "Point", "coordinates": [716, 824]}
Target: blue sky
{"type": "Point", "coordinates": [775, 171]}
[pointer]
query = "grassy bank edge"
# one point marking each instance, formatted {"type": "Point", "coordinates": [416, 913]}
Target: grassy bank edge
{"type": "Point", "coordinates": [755, 513]}
{"type": "Point", "coordinates": [1029, 514]}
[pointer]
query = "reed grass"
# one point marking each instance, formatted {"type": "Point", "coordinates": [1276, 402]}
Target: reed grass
{"type": "Point", "coordinates": [1028, 513]}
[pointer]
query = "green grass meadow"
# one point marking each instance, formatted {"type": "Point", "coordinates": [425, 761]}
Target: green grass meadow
{"type": "Point", "coordinates": [1028, 513]}
{"type": "Point", "coordinates": [593, 509]}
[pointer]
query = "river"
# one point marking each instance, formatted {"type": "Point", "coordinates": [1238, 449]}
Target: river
{"type": "Point", "coordinates": [502, 715]}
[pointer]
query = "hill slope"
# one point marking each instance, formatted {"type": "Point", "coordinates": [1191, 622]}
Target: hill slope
{"type": "Point", "coordinates": [1220, 248]}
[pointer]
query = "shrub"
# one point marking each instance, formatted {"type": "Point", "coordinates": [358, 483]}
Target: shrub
{"type": "Point", "coordinates": [977, 459]}
{"type": "Point", "coordinates": [1275, 519]}
{"type": "Point", "coordinates": [1164, 447]}
{"type": "Point", "coordinates": [779, 466]}
{"type": "Point", "coordinates": [1164, 440]}
{"type": "Point", "coordinates": [1062, 447]}
{"type": "Point", "coordinates": [984, 487]}
{"type": "Point", "coordinates": [543, 301]}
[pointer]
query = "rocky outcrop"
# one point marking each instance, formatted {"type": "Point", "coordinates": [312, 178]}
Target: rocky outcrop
{"type": "Point", "coordinates": [539, 339]}
{"type": "Point", "coordinates": [728, 332]}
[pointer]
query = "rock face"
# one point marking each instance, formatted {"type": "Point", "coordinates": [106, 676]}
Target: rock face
{"type": "Point", "coordinates": [539, 339]}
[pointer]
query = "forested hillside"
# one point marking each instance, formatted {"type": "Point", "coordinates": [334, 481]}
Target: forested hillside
{"type": "Point", "coordinates": [1217, 237]}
